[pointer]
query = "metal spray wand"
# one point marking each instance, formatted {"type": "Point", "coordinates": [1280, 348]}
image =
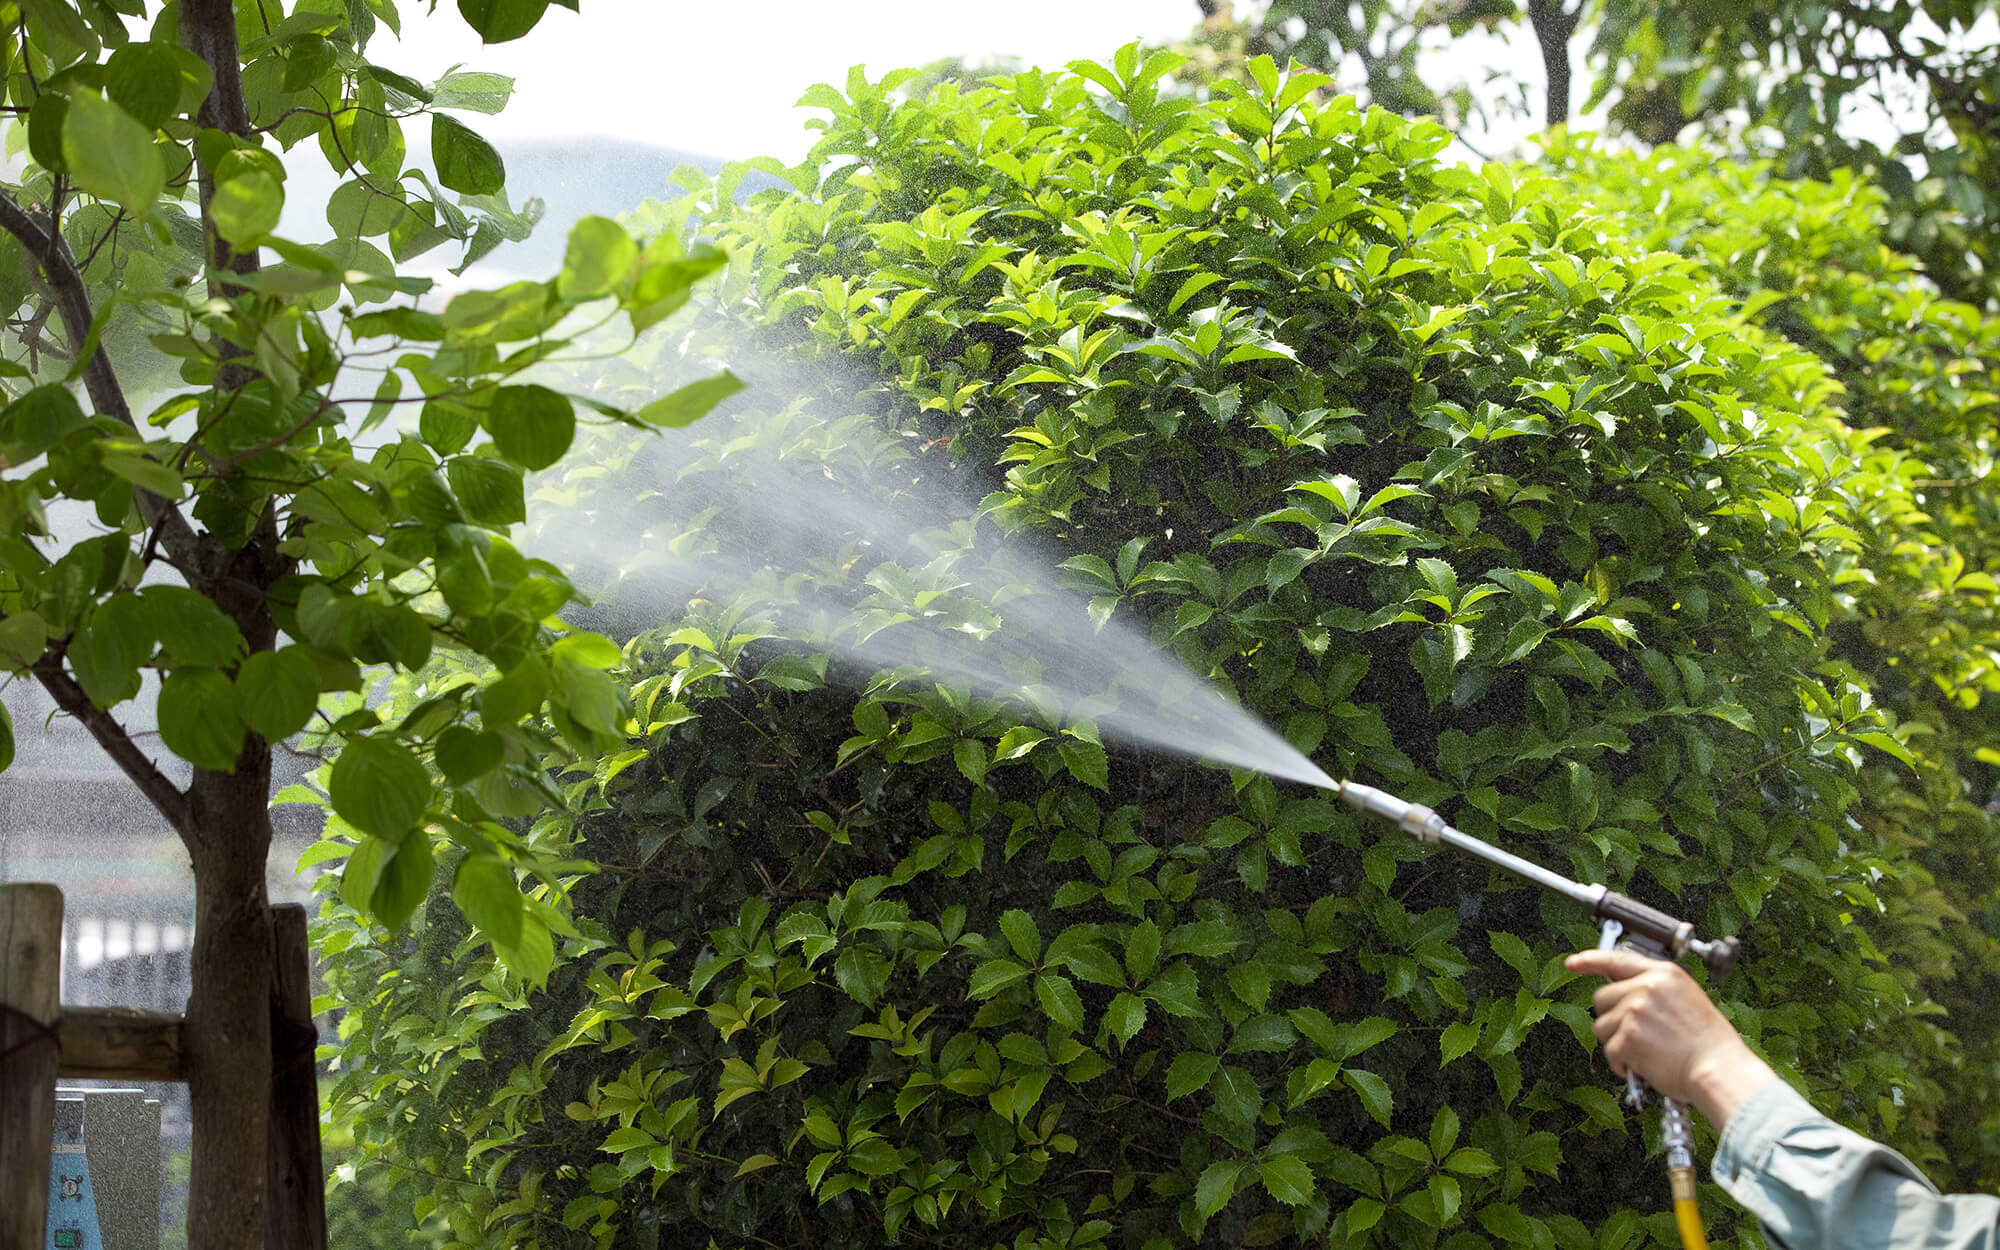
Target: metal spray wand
{"type": "Point", "coordinates": [1621, 920]}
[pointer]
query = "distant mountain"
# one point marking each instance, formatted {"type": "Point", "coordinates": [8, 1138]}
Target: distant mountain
{"type": "Point", "coordinates": [572, 177]}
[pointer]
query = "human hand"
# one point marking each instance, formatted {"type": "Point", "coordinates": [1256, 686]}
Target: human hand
{"type": "Point", "coordinates": [1654, 1020]}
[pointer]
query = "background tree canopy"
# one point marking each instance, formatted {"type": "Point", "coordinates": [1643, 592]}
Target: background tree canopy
{"type": "Point", "coordinates": [1665, 570]}
{"type": "Point", "coordinates": [1906, 94]}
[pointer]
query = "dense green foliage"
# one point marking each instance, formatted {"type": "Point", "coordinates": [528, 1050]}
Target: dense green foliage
{"type": "Point", "coordinates": [1918, 616]}
{"type": "Point", "coordinates": [206, 508]}
{"type": "Point", "coordinates": [1442, 472]}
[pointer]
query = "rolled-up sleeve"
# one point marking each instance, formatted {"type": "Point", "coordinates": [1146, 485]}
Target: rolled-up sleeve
{"type": "Point", "coordinates": [1817, 1186]}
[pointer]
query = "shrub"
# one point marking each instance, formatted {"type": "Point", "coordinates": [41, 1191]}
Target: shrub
{"type": "Point", "coordinates": [1434, 469]}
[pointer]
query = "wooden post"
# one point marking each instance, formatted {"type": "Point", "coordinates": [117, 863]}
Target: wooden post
{"type": "Point", "coordinates": [295, 1186]}
{"type": "Point", "coordinates": [30, 1002]}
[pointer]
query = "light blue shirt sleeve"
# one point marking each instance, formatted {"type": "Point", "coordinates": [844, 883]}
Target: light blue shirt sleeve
{"type": "Point", "coordinates": [1817, 1186]}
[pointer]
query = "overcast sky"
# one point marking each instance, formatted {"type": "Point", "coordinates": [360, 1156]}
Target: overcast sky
{"type": "Point", "coordinates": [723, 79]}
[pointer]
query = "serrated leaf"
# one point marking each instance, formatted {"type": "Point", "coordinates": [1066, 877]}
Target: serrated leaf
{"type": "Point", "coordinates": [1374, 1092]}
{"type": "Point", "coordinates": [1190, 1072]}
{"type": "Point", "coordinates": [1286, 1178]}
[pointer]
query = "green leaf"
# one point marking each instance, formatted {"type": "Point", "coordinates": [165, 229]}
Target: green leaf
{"type": "Point", "coordinates": [532, 426]}
{"type": "Point", "coordinates": [1287, 1178]}
{"type": "Point", "coordinates": [1600, 1105]}
{"type": "Point", "coordinates": [465, 162]}
{"type": "Point", "coordinates": [1216, 1187]}
{"type": "Point", "coordinates": [1236, 1095]}
{"type": "Point", "coordinates": [403, 882]}
{"type": "Point", "coordinates": [246, 207]}
{"type": "Point", "coordinates": [110, 155]}
{"type": "Point", "coordinates": [37, 421]}
{"type": "Point", "coordinates": [994, 975]}
{"type": "Point", "coordinates": [198, 718]}
{"type": "Point", "coordinates": [1456, 1040]}
{"type": "Point", "coordinates": [1190, 1072]}
{"type": "Point", "coordinates": [464, 754]}
{"type": "Point", "coordinates": [474, 91]}
{"type": "Point", "coordinates": [191, 629]}
{"type": "Point", "coordinates": [489, 489]}
{"type": "Point", "coordinates": [691, 402]}
{"type": "Point", "coordinates": [1059, 1000]}
{"type": "Point", "coordinates": [498, 21]}
{"type": "Point", "coordinates": [486, 892]}
{"type": "Point", "coordinates": [1086, 762]}
{"type": "Point", "coordinates": [1142, 950]}
{"type": "Point", "coordinates": [379, 786]}
{"type": "Point", "coordinates": [277, 692]}
{"type": "Point", "coordinates": [599, 256]}
{"type": "Point", "coordinates": [1126, 1016]}
{"type": "Point", "coordinates": [1374, 1092]}
{"type": "Point", "coordinates": [1022, 934]}
{"type": "Point", "coordinates": [144, 79]}
{"type": "Point", "coordinates": [6, 738]}
{"type": "Point", "coordinates": [108, 648]}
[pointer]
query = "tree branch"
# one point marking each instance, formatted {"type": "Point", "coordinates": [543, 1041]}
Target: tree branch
{"type": "Point", "coordinates": [165, 797]}
{"type": "Point", "coordinates": [43, 240]}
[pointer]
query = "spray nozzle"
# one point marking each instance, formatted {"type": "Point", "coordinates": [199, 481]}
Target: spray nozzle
{"type": "Point", "coordinates": [1415, 819]}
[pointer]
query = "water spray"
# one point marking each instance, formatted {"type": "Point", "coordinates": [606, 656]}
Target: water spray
{"type": "Point", "coordinates": [1622, 922]}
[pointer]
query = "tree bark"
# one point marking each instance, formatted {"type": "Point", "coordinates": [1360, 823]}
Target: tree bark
{"type": "Point", "coordinates": [228, 1035]}
{"type": "Point", "coordinates": [1553, 27]}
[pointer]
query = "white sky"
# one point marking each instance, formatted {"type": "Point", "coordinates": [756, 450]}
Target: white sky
{"type": "Point", "coordinates": [723, 79]}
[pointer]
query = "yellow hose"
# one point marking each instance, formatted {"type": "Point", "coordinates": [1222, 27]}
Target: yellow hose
{"type": "Point", "coordinates": [1686, 1214]}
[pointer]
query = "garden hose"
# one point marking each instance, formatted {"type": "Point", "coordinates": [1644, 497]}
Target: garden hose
{"type": "Point", "coordinates": [1622, 921]}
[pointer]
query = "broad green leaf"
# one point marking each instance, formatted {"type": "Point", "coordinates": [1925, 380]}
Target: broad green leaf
{"type": "Point", "coordinates": [994, 975]}
{"type": "Point", "coordinates": [498, 21]}
{"type": "Point", "coordinates": [489, 489]}
{"type": "Point", "coordinates": [110, 155]}
{"type": "Point", "coordinates": [144, 79]}
{"type": "Point", "coordinates": [1022, 934]}
{"type": "Point", "coordinates": [473, 90]}
{"type": "Point", "coordinates": [37, 421]}
{"type": "Point", "coordinates": [379, 786]}
{"type": "Point", "coordinates": [1059, 1000]}
{"type": "Point", "coordinates": [531, 425]}
{"type": "Point", "coordinates": [1125, 1016]}
{"type": "Point", "coordinates": [191, 629]}
{"type": "Point", "coordinates": [247, 206]}
{"type": "Point", "coordinates": [198, 718]}
{"type": "Point", "coordinates": [691, 402]}
{"type": "Point", "coordinates": [599, 256]}
{"type": "Point", "coordinates": [1142, 950]}
{"type": "Point", "coordinates": [1216, 1187]}
{"type": "Point", "coordinates": [1086, 762]}
{"type": "Point", "coordinates": [463, 754]}
{"type": "Point", "coordinates": [108, 648]}
{"type": "Point", "coordinates": [1374, 1092]}
{"type": "Point", "coordinates": [1286, 1178]}
{"type": "Point", "coordinates": [277, 692]}
{"type": "Point", "coordinates": [485, 890]}
{"type": "Point", "coordinates": [6, 738]}
{"type": "Point", "coordinates": [465, 162]}
{"type": "Point", "coordinates": [404, 880]}
{"type": "Point", "coordinates": [1189, 1072]}
{"type": "Point", "coordinates": [24, 635]}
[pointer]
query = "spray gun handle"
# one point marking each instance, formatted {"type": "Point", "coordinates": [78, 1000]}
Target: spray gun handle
{"type": "Point", "coordinates": [1668, 937]}
{"type": "Point", "coordinates": [1609, 932]}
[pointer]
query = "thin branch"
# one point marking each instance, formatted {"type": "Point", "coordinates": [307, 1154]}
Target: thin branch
{"type": "Point", "coordinates": [117, 742]}
{"type": "Point", "coordinates": [43, 241]}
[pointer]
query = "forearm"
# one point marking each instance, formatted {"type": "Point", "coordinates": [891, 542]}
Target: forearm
{"type": "Point", "coordinates": [1817, 1186]}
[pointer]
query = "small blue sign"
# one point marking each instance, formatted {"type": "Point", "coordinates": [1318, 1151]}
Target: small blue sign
{"type": "Point", "coordinates": [72, 1204]}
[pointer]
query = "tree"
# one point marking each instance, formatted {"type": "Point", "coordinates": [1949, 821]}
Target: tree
{"type": "Point", "coordinates": [267, 489]}
{"type": "Point", "coordinates": [1908, 95]}
{"type": "Point", "coordinates": [1438, 471]}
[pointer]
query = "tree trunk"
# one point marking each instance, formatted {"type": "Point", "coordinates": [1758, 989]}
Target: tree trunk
{"type": "Point", "coordinates": [228, 1037]}
{"type": "Point", "coordinates": [1553, 27]}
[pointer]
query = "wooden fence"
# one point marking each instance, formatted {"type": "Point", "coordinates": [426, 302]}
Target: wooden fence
{"type": "Point", "coordinates": [41, 1040]}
